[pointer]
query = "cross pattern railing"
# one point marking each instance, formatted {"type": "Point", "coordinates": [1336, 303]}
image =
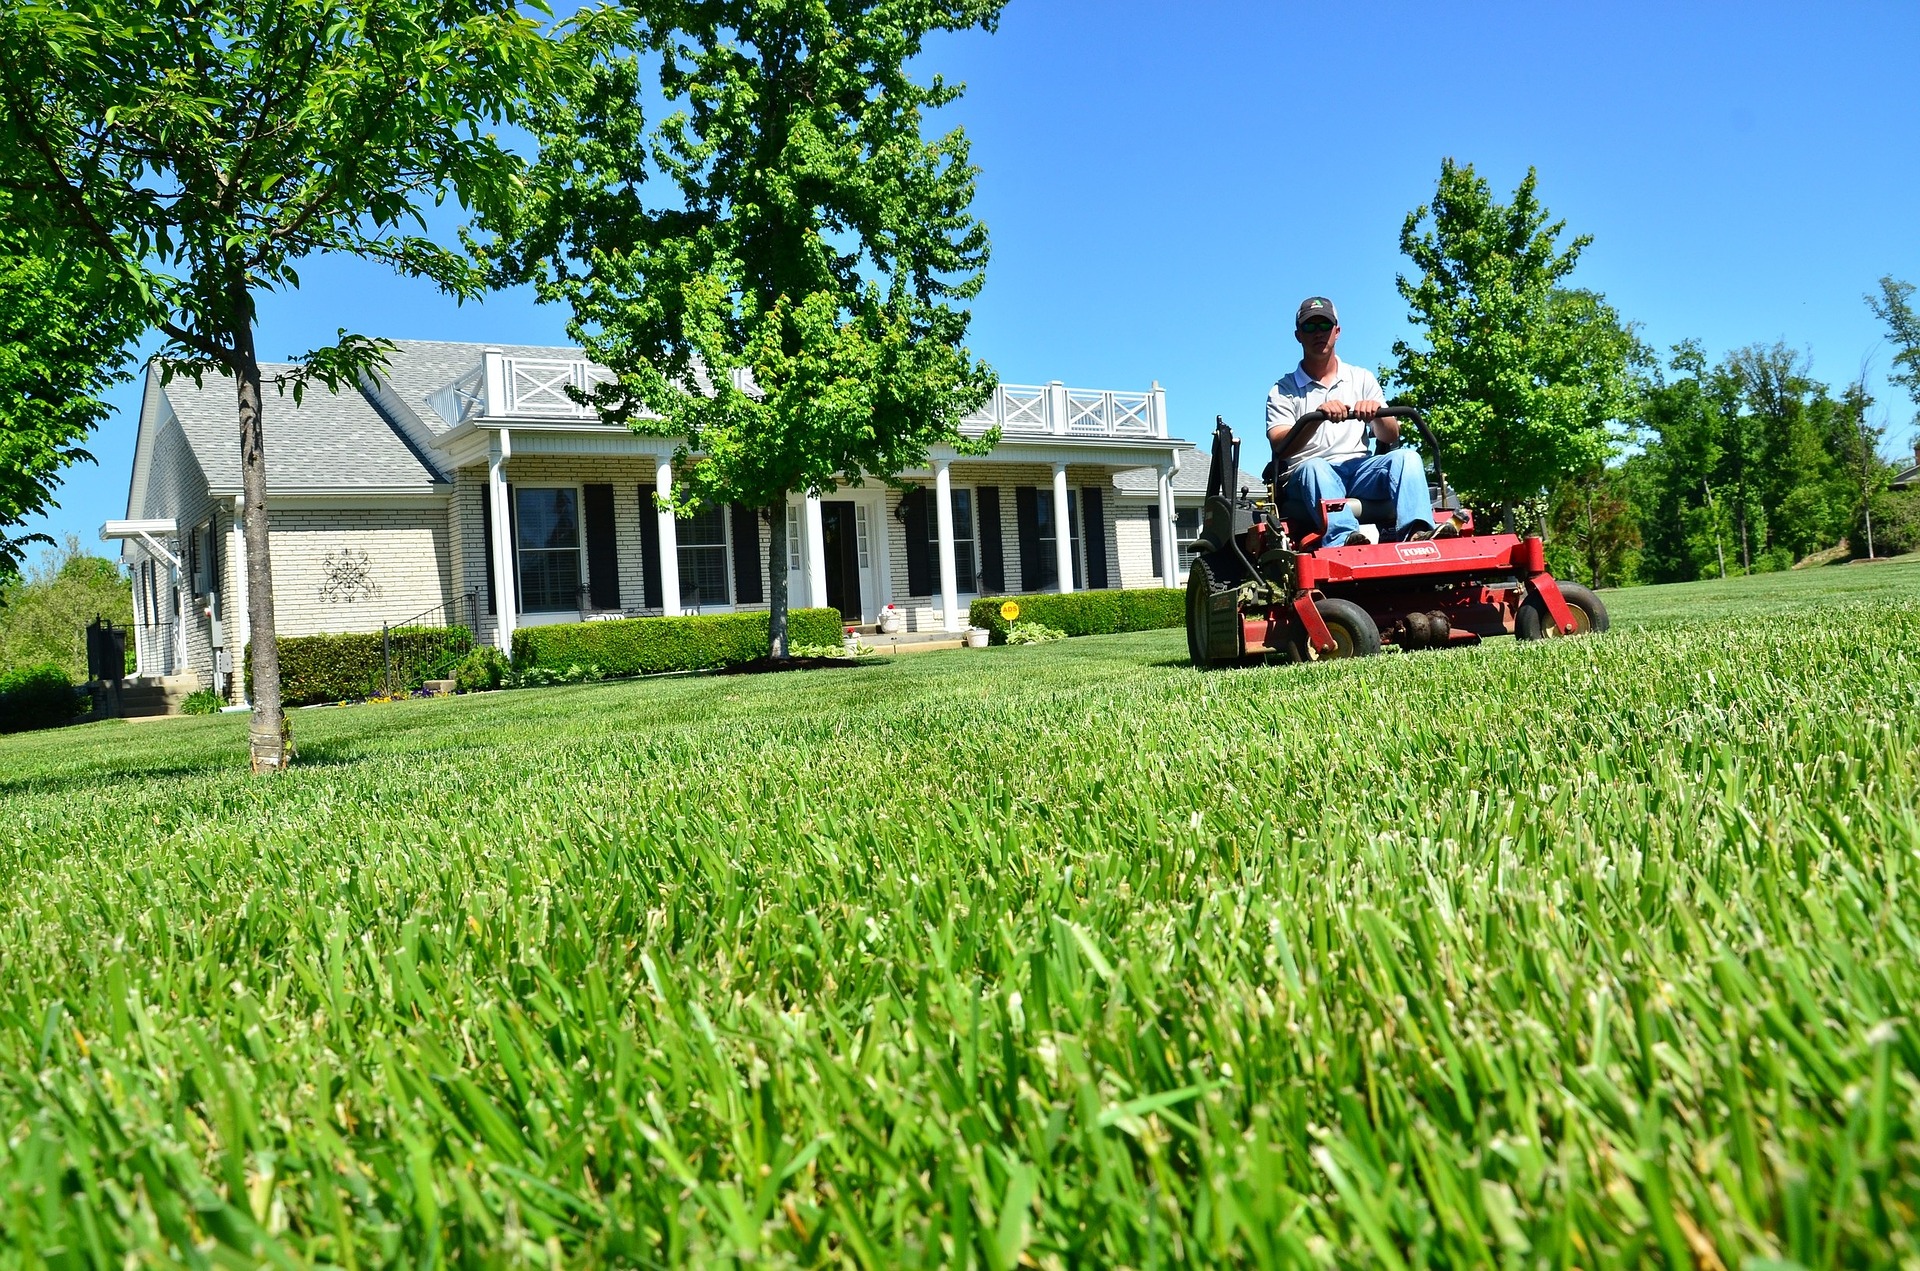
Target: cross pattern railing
{"type": "Point", "coordinates": [537, 387]}
{"type": "Point", "coordinates": [1053, 410]}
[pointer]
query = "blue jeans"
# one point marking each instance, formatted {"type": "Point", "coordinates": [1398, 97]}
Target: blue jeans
{"type": "Point", "coordinates": [1397, 476]}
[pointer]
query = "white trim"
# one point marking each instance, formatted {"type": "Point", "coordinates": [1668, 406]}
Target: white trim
{"type": "Point", "coordinates": [506, 597]}
{"type": "Point", "coordinates": [1169, 557]}
{"type": "Point", "coordinates": [242, 614]}
{"type": "Point", "coordinates": [816, 561]}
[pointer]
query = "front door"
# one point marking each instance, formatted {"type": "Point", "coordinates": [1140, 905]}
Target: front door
{"type": "Point", "coordinates": [840, 535]}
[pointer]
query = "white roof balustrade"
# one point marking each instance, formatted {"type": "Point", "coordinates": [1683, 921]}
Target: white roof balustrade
{"type": "Point", "coordinates": [512, 387]}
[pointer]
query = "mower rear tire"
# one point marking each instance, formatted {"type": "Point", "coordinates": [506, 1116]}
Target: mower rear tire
{"type": "Point", "coordinates": [1354, 632]}
{"type": "Point", "coordinates": [1533, 622]}
{"type": "Point", "coordinates": [1208, 633]}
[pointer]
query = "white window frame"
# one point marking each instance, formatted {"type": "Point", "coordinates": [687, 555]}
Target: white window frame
{"type": "Point", "coordinates": [530, 618]}
{"type": "Point", "coordinates": [682, 547]}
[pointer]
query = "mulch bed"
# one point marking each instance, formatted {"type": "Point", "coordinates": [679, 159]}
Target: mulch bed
{"type": "Point", "coordinates": [762, 666]}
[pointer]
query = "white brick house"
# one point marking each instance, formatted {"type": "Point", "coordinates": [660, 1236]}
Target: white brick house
{"type": "Point", "coordinates": [464, 474]}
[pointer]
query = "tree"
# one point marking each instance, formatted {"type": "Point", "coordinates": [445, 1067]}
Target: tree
{"type": "Point", "coordinates": [794, 306]}
{"type": "Point", "coordinates": [44, 614]}
{"type": "Point", "coordinates": [1522, 376]}
{"type": "Point", "coordinates": [1593, 531]}
{"type": "Point", "coordinates": [202, 148]}
{"type": "Point", "coordinates": [65, 326]}
{"type": "Point", "coordinates": [1894, 306]}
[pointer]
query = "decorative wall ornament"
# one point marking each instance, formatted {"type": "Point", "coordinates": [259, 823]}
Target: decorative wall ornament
{"type": "Point", "coordinates": [346, 577]}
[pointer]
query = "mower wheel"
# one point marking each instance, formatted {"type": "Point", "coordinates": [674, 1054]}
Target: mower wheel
{"type": "Point", "coordinates": [1213, 635]}
{"type": "Point", "coordinates": [1532, 622]}
{"type": "Point", "coordinates": [1354, 632]}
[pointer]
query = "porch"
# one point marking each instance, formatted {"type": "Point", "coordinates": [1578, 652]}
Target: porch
{"type": "Point", "coordinates": [558, 512]}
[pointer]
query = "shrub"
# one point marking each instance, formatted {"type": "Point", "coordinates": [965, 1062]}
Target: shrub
{"type": "Point", "coordinates": [1087, 612]}
{"type": "Point", "coordinates": [202, 701]}
{"type": "Point", "coordinates": [38, 697]}
{"type": "Point", "coordinates": [1896, 524]}
{"type": "Point", "coordinates": [648, 646]}
{"type": "Point", "coordinates": [339, 668]}
{"type": "Point", "coordinates": [483, 669]}
{"type": "Point", "coordinates": [1033, 633]}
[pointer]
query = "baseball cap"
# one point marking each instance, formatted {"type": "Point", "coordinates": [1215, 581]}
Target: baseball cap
{"type": "Point", "coordinates": [1315, 307]}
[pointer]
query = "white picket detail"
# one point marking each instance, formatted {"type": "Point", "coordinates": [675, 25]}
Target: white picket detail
{"type": "Point", "coordinates": [536, 388]}
{"type": "Point", "coordinates": [1053, 410]}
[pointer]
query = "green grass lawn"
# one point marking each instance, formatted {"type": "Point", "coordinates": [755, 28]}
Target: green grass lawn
{"type": "Point", "coordinates": [1600, 952]}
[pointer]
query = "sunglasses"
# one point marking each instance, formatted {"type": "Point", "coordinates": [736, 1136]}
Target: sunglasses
{"type": "Point", "coordinates": [1317, 326]}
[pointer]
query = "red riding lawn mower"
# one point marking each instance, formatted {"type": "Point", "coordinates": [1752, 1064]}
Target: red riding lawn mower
{"type": "Point", "coordinates": [1263, 587]}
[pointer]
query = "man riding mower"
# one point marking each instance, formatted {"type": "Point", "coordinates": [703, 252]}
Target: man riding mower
{"type": "Point", "coordinates": [1271, 579]}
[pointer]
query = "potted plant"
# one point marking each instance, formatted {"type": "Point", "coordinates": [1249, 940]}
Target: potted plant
{"type": "Point", "coordinates": [892, 621]}
{"type": "Point", "coordinates": [977, 637]}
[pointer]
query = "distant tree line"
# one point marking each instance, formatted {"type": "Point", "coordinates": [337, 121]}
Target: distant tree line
{"type": "Point", "coordinates": [1555, 417]}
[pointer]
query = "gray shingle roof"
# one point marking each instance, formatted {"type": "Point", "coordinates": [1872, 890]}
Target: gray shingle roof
{"type": "Point", "coordinates": [1190, 481]}
{"type": "Point", "coordinates": [334, 441]}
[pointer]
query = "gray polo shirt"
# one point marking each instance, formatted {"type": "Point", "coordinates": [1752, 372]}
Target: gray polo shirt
{"type": "Point", "coordinates": [1298, 393]}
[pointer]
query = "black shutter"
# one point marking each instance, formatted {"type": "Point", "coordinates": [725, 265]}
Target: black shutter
{"type": "Point", "coordinates": [513, 548]}
{"type": "Point", "coordinates": [603, 556]}
{"type": "Point", "coordinates": [1153, 537]}
{"type": "Point", "coordinates": [213, 556]}
{"type": "Point", "coordinates": [747, 589]}
{"type": "Point", "coordinates": [650, 548]}
{"type": "Point", "coordinates": [1026, 512]}
{"type": "Point", "coordinates": [993, 553]}
{"type": "Point", "coordinates": [1095, 536]}
{"type": "Point", "coordinates": [486, 538]}
{"type": "Point", "coordinates": [919, 564]}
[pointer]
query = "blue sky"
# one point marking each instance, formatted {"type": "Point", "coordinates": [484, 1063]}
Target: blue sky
{"type": "Point", "coordinates": [1164, 181]}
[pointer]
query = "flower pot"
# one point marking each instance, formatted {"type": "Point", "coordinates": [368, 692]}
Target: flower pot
{"type": "Point", "coordinates": [892, 624]}
{"type": "Point", "coordinates": [977, 637]}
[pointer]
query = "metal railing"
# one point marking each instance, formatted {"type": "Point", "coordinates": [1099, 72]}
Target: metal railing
{"type": "Point", "coordinates": [461, 611]}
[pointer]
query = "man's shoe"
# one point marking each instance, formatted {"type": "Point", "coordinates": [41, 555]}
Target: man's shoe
{"type": "Point", "coordinates": [1365, 536]}
{"type": "Point", "coordinates": [1446, 529]}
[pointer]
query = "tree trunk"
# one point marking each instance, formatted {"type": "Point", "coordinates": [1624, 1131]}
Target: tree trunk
{"type": "Point", "coordinates": [268, 737]}
{"type": "Point", "coordinates": [1593, 545]}
{"type": "Point", "coordinates": [777, 579]}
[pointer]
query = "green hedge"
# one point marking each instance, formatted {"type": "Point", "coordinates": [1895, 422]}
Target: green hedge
{"type": "Point", "coordinates": [341, 668]}
{"type": "Point", "coordinates": [38, 697]}
{"type": "Point", "coordinates": [648, 646]}
{"type": "Point", "coordinates": [1087, 612]}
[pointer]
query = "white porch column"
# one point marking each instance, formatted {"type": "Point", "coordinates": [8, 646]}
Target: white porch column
{"type": "Point", "coordinates": [943, 519]}
{"type": "Point", "coordinates": [815, 534]}
{"type": "Point", "coordinates": [506, 604]}
{"type": "Point", "coordinates": [1062, 528]}
{"type": "Point", "coordinates": [240, 630]}
{"type": "Point", "coordinates": [669, 562]}
{"type": "Point", "coordinates": [1169, 547]}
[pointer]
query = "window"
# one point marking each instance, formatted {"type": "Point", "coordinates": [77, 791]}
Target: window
{"type": "Point", "coordinates": [1186, 528]}
{"type": "Point", "coordinates": [965, 563]}
{"type": "Point", "coordinates": [548, 527]}
{"type": "Point", "coordinates": [703, 557]}
{"type": "Point", "coordinates": [1049, 555]}
{"type": "Point", "coordinates": [793, 537]}
{"type": "Point", "coordinates": [862, 535]}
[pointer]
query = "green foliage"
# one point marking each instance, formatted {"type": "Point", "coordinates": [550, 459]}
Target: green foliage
{"type": "Point", "coordinates": [350, 666]}
{"type": "Point", "coordinates": [44, 615]}
{"type": "Point", "coordinates": [789, 287]}
{"type": "Point", "coordinates": [38, 697]}
{"type": "Point", "coordinates": [1035, 959]}
{"type": "Point", "coordinates": [65, 327]}
{"type": "Point", "coordinates": [650, 646]}
{"type": "Point", "coordinates": [202, 701]}
{"type": "Point", "coordinates": [1522, 378]}
{"type": "Point", "coordinates": [1896, 524]}
{"type": "Point", "coordinates": [1751, 462]}
{"type": "Point", "coordinates": [201, 149]}
{"type": "Point", "coordinates": [1086, 612]}
{"type": "Point", "coordinates": [483, 669]}
{"type": "Point", "coordinates": [1894, 307]}
{"type": "Point", "coordinates": [1033, 633]}
{"type": "Point", "coordinates": [1592, 535]}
